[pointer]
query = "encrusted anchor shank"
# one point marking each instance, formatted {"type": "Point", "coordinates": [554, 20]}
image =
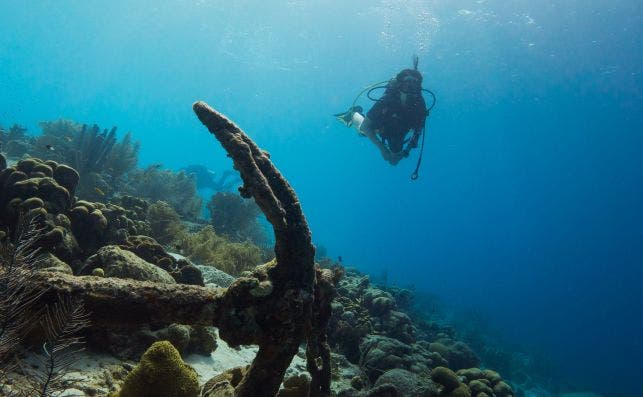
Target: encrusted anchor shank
{"type": "Point", "coordinates": [272, 308]}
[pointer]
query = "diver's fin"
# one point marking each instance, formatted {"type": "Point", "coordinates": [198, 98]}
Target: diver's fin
{"type": "Point", "coordinates": [346, 117]}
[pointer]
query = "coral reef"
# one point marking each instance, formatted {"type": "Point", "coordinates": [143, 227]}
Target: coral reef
{"type": "Point", "coordinates": [277, 306]}
{"type": "Point", "coordinates": [34, 187]}
{"type": "Point", "coordinates": [160, 373]}
{"type": "Point", "coordinates": [96, 224]}
{"type": "Point", "coordinates": [373, 327]}
{"type": "Point", "coordinates": [114, 255]}
{"type": "Point", "coordinates": [101, 161]}
{"type": "Point", "coordinates": [236, 218]}
{"type": "Point", "coordinates": [175, 188]}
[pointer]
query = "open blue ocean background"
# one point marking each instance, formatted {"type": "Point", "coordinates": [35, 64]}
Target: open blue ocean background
{"type": "Point", "coordinates": [529, 206]}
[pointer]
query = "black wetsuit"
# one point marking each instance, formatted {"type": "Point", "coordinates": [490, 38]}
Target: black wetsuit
{"type": "Point", "coordinates": [392, 120]}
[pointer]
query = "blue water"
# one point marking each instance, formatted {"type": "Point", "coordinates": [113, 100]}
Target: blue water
{"type": "Point", "coordinates": [529, 203]}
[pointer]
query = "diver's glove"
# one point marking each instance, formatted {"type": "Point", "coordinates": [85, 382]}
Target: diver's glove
{"type": "Point", "coordinates": [346, 117]}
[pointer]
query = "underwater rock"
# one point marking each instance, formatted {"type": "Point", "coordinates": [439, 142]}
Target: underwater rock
{"type": "Point", "coordinates": [224, 384]}
{"type": "Point", "coordinates": [407, 383]}
{"type": "Point", "coordinates": [485, 381]}
{"type": "Point", "coordinates": [48, 261]}
{"type": "Point", "coordinates": [295, 386]}
{"type": "Point", "coordinates": [380, 353]}
{"type": "Point", "coordinates": [147, 248]}
{"type": "Point", "coordinates": [161, 372]}
{"type": "Point", "coordinates": [203, 340]}
{"type": "Point", "coordinates": [378, 302]}
{"type": "Point", "coordinates": [188, 273]}
{"type": "Point", "coordinates": [3, 162]}
{"type": "Point", "coordinates": [458, 354]}
{"type": "Point", "coordinates": [187, 339]}
{"type": "Point", "coordinates": [353, 285]}
{"type": "Point", "coordinates": [395, 324]}
{"type": "Point", "coordinates": [445, 377]}
{"type": "Point", "coordinates": [215, 277]}
{"type": "Point", "coordinates": [128, 343]}
{"type": "Point", "coordinates": [120, 263]}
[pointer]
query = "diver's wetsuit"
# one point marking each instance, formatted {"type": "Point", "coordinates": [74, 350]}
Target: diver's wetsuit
{"type": "Point", "coordinates": [392, 120]}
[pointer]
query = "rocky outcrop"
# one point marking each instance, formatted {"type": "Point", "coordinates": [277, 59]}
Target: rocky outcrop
{"type": "Point", "coordinates": [120, 263]}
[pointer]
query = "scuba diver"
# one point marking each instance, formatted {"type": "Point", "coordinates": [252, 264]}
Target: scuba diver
{"type": "Point", "coordinates": [400, 110]}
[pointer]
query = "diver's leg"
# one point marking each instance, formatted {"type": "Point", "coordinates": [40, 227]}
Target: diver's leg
{"type": "Point", "coordinates": [357, 120]}
{"type": "Point", "coordinates": [365, 128]}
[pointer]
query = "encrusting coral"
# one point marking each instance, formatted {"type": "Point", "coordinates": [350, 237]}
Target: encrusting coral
{"type": "Point", "coordinates": [160, 373]}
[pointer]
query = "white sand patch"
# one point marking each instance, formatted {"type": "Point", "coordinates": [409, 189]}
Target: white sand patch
{"type": "Point", "coordinates": [226, 357]}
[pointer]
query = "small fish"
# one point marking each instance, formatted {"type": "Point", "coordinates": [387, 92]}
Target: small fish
{"type": "Point", "coordinates": [49, 147]}
{"type": "Point", "coordinates": [68, 138]}
{"type": "Point", "coordinates": [97, 190]}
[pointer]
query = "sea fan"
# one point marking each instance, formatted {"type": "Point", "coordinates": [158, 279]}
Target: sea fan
{"type": "Point", "coordinates": [18, 261]}
{"type": "Point", "coordinates": [61, 322]}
